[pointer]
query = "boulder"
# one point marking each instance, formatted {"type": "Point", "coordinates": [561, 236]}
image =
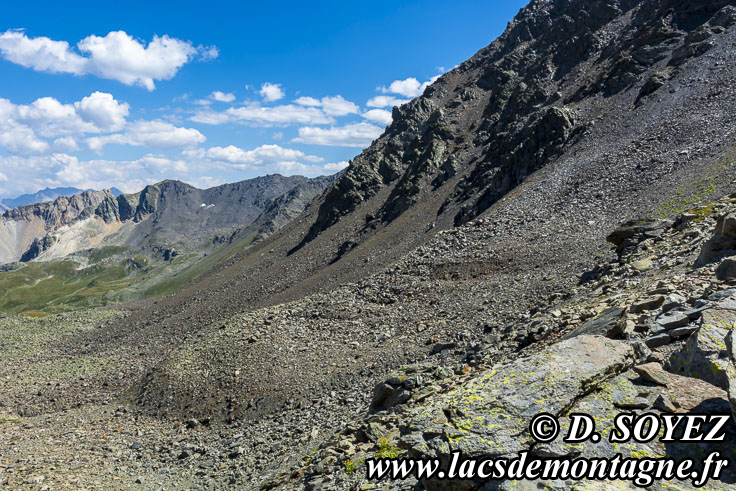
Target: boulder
{"type": "Point", "coordinates": [704, 356]}
{"type": "Point", "coordinates": [723, 242]}
{"type": "Point", "coordinates": [651, 303]}
{"type": "Point", "coordinates": [632, 233]}
{"type": "Point", "coordinates": [726, 271]}
{"type": "Point", "coordinates": [609, 323]}
{"type": "Point", "coordinates": [731, 371]}
{"type": "Point", "coordinates": [673, 321]}
{"type": "Point", "coordinates": [489, 415]}
{"type": "Point", "coordinates": [389, 393]}
{"type": "Point", "coordinates": [654, 373]}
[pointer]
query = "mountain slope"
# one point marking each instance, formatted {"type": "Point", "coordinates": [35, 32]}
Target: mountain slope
{"type": "Point", "coordinates": [558, 172]}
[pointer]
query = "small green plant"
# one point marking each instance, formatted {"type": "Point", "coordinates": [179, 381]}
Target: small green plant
{"type": "Point", "coordinates": [385, 449]}
{"type": "Point", "coordinates": [350, 466]}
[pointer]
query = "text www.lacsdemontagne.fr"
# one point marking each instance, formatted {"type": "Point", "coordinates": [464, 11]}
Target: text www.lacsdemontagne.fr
{"type": "Point", "coordinates": [639, 471]}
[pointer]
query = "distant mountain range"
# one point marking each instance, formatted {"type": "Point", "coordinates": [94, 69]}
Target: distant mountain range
{"type": "Point", "coordinates": [43, 196]}
{"type": "Point", "coordinates": [170, 213]}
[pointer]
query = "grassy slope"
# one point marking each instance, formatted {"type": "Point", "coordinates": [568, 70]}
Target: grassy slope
{"type": "Point", "coordinates": [112, 277]}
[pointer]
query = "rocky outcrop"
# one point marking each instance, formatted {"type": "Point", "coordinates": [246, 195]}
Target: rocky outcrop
{"type": "Point", "coordinates": [489, 416]}
{"type": "Point", "coordinates": [37, 248]}
{"type": "Point", "coordinates": [723, 242]}
{"type": "Point", "coordinates": [654, 339]}
{"type": "Point", "coordinates": [60, 212]}
{"type": "Point", "coordinates": [20, 227]}
{"type": "Point", "coordinates": [627, 237]}
{"type": "Point", "coordinates": [705, 355]}
{"type": "Point", "coordinates": [480, 130]}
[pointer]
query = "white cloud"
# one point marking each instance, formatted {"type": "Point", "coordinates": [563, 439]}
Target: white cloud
{"type": "Point", "coordinates": [263, 155]}
{"type": "Point", "coordinates": [206, 182]}
{"type": "Point", "coordinates": [154, 134]}
{"type": "Point", "coordinates": [265, 116]}
{"type": "Point", "coordinates": [386, 101]}
{"type": "Point", "coordinates": [271, 92]}
{"type": "Point", "coordinates": [352, 135]}
{"type": "Point", "coordinates": [335, 167]}
{"type": "Point", "coordinates": [333, 106]}
{"type": "Point", "coordinates": [66, 143]}
{"type": "Point", "coordinates": [3, 177]}
{"type": "Point", "coordinates": [379, 116]}
{"type": "Point", "coordinates": [103, 110]}
{"type": "Point", "coordinates": [49, 118]}
{"type": "Point", "coordinates": [294, 168]}
{"type": "Point", "coordinates": [408, 87]}
{"type": "Point", "coordinates": [308, 101]}
{"type": "Point", "coordinates": [222, 96]}
{"type": "Point", "coordinates": [208, 116]}
{"type": "Point", "coordinates": [22, 125]}
{"type": "Point", "coordinates": [20, 139]}
{"type": "Point", "coordinates": [41, 54]}
{"type": "Point", "coordinates": [29, 174]}
{"type": "Point", "coordinates": [117, 56]}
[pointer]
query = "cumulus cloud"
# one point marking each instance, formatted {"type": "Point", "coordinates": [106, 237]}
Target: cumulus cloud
{"type": "Point", "coordinates": [265, 116]}
{"type": "Point", "coordinates": [19, 139]}
{"type": "Point", "coordinates": [66, 143]}
{"type": "Point", "coordinates": [154, 134]}
{"type": "Point", "coordinates": [334, 106]}
{"type": "Point", "coordinates": [47, 117]}
{"type": "Point", "coordinates": [103, 110]}
{"type": "Point", "coordinates": [116, 56]}
{"type": "Point", "coordinates": [386, 101]}
{"type": "Point", "coordinates": [271, 92]}
{"type": "Point", "coordinates": [409, 87]}
{"type": "Point", "coordinates": [379, 116]}
{"type": "Point", "coordinates": [335, 167]}
{"type": "Point", "coordinates": [222, 96]}
{"type": "Point", "coordinates": [351, 135]}
{"type": "Point", "coordinates": [308, 101]}
{"type": "Point", "coordinates": [29, 174]}
{"type": "Point", "coordinates": [263, 155]}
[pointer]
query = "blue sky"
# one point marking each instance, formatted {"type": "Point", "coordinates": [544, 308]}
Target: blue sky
{"type": "Point", "coordinates": [207, 92]}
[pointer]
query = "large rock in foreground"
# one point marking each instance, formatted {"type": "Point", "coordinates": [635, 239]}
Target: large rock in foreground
{"type": "Point", "coordinates": [723, 242]}
{"type": "Point", "coordinates": [490, 415]}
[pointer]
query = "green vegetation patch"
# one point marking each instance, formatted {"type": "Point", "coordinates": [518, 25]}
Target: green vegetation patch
{"type": "Point", "coordinates": [700, 191]}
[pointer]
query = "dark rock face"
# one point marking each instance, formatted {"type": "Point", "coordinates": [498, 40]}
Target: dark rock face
{"type": "Point", "coordinates": [723, 242]}
{"type": "Point", "coordinates": [38, 246]}
{"type": "Point", "coordinates": [479, 131]}
{"type": "Point", "coordinates": [632, 233]}
{"type": "Point", "coordinates": [173, 212]}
